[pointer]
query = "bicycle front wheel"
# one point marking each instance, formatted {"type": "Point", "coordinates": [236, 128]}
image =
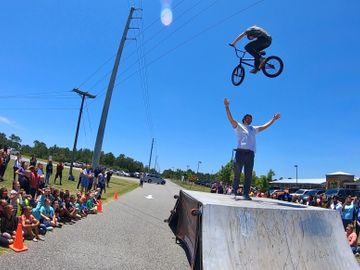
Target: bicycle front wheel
{"type": "Point", "coordinates": [238, 75]}
{"type": "Point", "coordinates": [273, 66]}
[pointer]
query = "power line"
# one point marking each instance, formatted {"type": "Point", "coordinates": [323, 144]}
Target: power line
{"type": "Point", "coordinates": [88, 115]}
{"type": "Point", "coordinates": [97, 70]}
{"type": "Point", "coordinates": [39, 109]}
{"type": "Point", "coordinates": [125, 58]}
{"type": "Point", "coordinates": [193, 37]}
{"type": "Point", "coordinates": [167, 37]}
{"type": "Point", "coordinates": [144, 81]}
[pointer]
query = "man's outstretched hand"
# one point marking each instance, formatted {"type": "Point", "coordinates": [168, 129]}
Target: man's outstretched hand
{"type": "Point", "coordinates": [226, 102]}
{"type": "Point", "coordinates": [276, 116]}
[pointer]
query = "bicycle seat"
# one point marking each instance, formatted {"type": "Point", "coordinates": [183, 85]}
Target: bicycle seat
{"type": "Point", "coordinates": [262, 53]}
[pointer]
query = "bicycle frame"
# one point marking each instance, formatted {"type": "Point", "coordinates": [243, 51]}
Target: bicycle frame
{"type": "Point", "coordinates": [242, 59]}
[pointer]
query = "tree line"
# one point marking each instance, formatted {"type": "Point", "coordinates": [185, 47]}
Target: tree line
{"type": "Point", "coordinates": [225, 175]}
{"type": "Point", "coordinates": [84, 155]}
{"type": "Point", "coordinates": [128, 164]}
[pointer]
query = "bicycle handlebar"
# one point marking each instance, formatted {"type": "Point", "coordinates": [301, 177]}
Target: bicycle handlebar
{"type": "Point", "coordinates": [237, 51]}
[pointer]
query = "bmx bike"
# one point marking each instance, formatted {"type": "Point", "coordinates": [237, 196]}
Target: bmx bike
{"type": "Point", "coordinates": [272, 66]}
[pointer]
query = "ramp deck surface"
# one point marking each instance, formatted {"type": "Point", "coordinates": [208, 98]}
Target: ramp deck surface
{"type": "Point", "coordinates": [270, 234]}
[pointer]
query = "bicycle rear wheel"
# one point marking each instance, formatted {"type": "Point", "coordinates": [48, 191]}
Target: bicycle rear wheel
{"type": "Point", "coordinates": [238, 75]}
{"type": "Point", "coordinates": [273, 66]}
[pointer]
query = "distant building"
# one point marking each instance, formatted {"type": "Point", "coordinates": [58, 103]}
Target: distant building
{"type": "Point", "coordinates": [332, 180]}
{"type": "Point", "coordinates": [339, 180]}
{"type": "Point", "coordinates": [300, 183]}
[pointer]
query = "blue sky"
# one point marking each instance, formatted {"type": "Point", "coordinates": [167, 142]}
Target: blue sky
{"type": "Point", "coordinates": [51, 47]}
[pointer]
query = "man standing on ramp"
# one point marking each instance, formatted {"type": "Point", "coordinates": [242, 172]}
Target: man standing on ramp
{"type": "Point", "coordinates": [245, 152]}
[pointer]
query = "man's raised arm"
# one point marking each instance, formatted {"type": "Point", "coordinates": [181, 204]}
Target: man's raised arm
{"type": "Point", "coordinates": [228, 113]}
{"type": "Point", "coordinates": [236, 40]}
{"type": "Point", "coordinates": [269, 123]}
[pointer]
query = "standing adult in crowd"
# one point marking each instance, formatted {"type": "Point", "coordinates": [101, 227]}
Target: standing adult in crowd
{"type": "Point", "coordinates": [33, 180]}
{"type": "Point", "coordinates": [348, 212]}
{"type": "Point", "coordinates": [357, 215]}
{"type": "Point", "coordinates": [142, 179]}
{"type": "Point", "coordinates": [3, 163]}
{"type": "Point", "coordinates": [220, 188]}
{"type": "Point", "coordinates": [59, 171]}
{"type": "Point", "coordinates": [246, 147]}
{"type": "Point", "coordinates": [336, 205]}
{"type": "Point", "coordinates": [85, 179]}
{"type": "Point", "coordinates": [108, 177]}
{"type": "Point", "coordinates": [97, 171]}
{"type": "Point", "coordinates": [102, 181]}
{"type": "Point", "coordinates": [17, 165]}
{"type": "Point", "coordinates": [33, 160]}
{"type": "Point", "coordinates": [40, 174]}
{"type": "Point", "coordinates": [49, 172]}
{"type": "Point", "coordinates": [23, 178]}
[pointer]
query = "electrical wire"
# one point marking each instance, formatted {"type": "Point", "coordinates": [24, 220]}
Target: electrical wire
{"type": "Point", "coordinates": [193, 37]}
{"type": "Point", "coordinates": [39, 108]}
{"type": "Point", "coordinates": [133, 52]}
{"type": "Point", "coordinates": [144, 83]}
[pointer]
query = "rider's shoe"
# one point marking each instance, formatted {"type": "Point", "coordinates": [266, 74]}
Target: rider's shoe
{"type": "Point", "coordinates": [262, 62]}
{"type": "Point", "coordinates": [254, 71]}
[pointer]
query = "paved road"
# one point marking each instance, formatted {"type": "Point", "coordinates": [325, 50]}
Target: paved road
{"type": "Point", "coordinates": [129, 234]}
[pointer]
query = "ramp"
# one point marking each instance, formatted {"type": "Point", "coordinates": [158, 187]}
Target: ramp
{"type": "Point", "coordinates": [258, 234]}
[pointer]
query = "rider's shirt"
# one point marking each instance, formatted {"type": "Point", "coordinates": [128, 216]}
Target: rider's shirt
{"type": "Point", "coordinates": [246, 136]}
{"type": "Point", "coordinates": [257, 32]}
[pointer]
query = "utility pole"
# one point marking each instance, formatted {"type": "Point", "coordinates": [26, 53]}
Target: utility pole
{"type": "Point", "coordinates": [155, 165]}
{"type": "Point", "coordinates": [152, 146]}
{"type": "Point", "coordinates": [296, 173]}
{"type": "Point", "coordinates": [101, 130]}
{"type": "Point", "coordinates": [83, 95]}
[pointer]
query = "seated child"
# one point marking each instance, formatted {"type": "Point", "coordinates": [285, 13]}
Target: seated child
{"type": "Point", "coordinates": [48, 217]}
{"type": "Point", "coordinates": [30, 225]}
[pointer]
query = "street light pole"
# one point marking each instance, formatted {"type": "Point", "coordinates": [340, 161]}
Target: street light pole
{"type": "Point", "coordinates": [296, 173]}
{"type": "Point", "coordinates": [197, 171]}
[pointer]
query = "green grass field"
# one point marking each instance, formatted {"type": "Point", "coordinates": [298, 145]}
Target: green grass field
{"type": "Point", "coordinates": [117, 184]}
{"type": "Point", "coordinates": [191, 186]}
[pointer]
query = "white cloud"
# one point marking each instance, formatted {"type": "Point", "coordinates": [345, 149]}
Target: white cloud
{"type": "Point", "coordinates": [4, 120]}
{"type": "Point", "coordinates": [10, 123]}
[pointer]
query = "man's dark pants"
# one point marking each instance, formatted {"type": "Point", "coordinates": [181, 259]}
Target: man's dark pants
{"type": "Point", "coordinates": [243, 158]}
{"type": "Point", "coordinates": [256, 46]}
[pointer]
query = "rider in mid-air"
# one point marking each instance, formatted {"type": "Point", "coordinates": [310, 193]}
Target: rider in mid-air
{"type": "Point", "coordinates": [263, 40]}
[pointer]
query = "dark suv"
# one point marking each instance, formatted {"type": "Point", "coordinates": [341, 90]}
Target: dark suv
{"type": "Point", "coordinates": [341, 193]}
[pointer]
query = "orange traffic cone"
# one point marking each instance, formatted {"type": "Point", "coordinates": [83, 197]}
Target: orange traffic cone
{"type": "Point", "coordinates": [116, 196]}
{"type": "Point", "coordinates": [18, 244]}
{"type": "Point", "coordinates": [99, 207]}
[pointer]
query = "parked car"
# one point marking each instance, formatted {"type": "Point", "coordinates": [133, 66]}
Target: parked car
{"type": "Point", "coordinates": [292, 190]}
{"type": "Point", "coordinates": [274, 191]}
{"type": "Point", "coordinates": [312, 192]}
{"type": "Point", "coordinates": [341, 193]}
{"type": "Point", "coordinates": [298, 193]}
{"type": "Point", "coordinates": [125, 174]}
{"type": "Point", "coordinates": [14, 152]}
{"type": "Point", "coordinates": [152, 178]}
{"type": "Point", "coordinates": [277, 193]}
